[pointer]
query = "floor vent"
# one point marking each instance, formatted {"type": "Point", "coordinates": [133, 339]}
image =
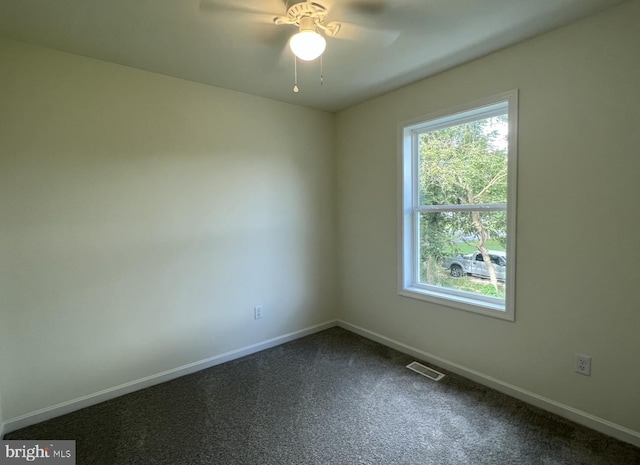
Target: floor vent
{"type": "Point", "coordinates": [425, 371]}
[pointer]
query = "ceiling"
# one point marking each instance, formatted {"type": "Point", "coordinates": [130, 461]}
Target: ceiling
{"type": "Point", "coordinates": [383, 44]}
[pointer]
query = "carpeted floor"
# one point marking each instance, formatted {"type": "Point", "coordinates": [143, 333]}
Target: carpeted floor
{"type": "Point", "coordinates": [330, 398]}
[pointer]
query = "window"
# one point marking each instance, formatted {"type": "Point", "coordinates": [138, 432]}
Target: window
{"type": "Point", "coordinates": [458, 177]}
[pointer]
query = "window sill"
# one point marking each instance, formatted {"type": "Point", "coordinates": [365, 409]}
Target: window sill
{"type": "Point", "coordinates": [468, 304]}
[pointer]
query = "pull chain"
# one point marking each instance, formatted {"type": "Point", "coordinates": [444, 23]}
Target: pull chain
{"type": "Point", "coordinates": [295, 74]}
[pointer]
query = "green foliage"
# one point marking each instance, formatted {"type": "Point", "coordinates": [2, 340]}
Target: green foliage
{"type": "Point", "coordinates": [441, 277]}
{"type": "Point", "coordinates": [475, 285]}
{"type": "Point", "coordinates": [469, 247]}
{"type": "Point", "coordinates": [464, 164]}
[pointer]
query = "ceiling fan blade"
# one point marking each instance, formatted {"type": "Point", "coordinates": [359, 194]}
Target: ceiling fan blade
{"type": "Point", "coordinates": [386, 14]}
{"type": "Point", "coordinates": [220, 6]}
{"type": "Point", "coordinates": [378, 37]}
{"type": "Point", "coordinates": [368, 7]}
{"type": "Point", "coordinates": [273, 35]}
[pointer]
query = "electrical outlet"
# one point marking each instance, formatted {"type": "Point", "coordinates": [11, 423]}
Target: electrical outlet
{"type": "Point", "coordinates": [583, 364]}
{"type": "Point", "coordinates": [257, 312]}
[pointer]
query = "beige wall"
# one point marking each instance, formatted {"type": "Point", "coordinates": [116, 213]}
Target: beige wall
{"type": "Point", "coordinates": [142, 219]}
{"type": "Point", "coordinates": [1, 419]}
{"type": "Point", "coordinates": [579, 185]}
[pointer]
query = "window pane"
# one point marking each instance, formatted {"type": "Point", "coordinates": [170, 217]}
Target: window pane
{"type": "Point", "coordinates": [458, 206]}
{"type": "Point", "coordinates": [451, 246]}
{"type": "Point", "coordinates": [465, 163]}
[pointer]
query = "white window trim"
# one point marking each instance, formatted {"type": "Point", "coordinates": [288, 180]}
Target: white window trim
{"type": "Point", "coordinates": [406, 274]}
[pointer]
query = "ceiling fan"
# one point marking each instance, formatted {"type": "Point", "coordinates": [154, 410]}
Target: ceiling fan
{"type": "Point", "coordinates": [309, 16]}
{"type": "Point", "coordinates": [311, 19]}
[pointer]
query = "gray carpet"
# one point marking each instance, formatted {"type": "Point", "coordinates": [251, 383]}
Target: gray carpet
{"type": "Point", "coordinates": [330, 398]}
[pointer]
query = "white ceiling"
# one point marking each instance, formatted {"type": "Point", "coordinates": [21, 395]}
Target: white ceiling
{"type": "Point", "coordinates": [233, 44]}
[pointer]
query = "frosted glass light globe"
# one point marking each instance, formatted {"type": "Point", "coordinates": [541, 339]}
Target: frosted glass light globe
{"type": "Point", "coordinates": [307, 45]}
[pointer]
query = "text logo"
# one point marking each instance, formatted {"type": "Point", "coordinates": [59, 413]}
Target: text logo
{"type": "Point", "coordinates": [38, 452]}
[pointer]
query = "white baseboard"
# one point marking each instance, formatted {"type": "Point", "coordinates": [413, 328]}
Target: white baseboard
{"type": "Point", "coordinates": [63, 408]}
{"type": "Point", "coordinates": [565, 411]}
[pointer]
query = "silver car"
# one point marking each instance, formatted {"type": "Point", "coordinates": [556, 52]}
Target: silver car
{"type": "Point", "coordinates": [473, 264]}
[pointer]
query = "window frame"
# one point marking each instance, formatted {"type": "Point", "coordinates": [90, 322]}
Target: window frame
{"type": "Point", "coordinates": [408, 262]}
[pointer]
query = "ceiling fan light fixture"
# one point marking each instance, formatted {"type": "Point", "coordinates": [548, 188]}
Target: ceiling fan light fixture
{"type": "Point", "coordinates": [307, 44]}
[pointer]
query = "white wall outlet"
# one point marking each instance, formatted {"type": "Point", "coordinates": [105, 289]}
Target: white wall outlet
{"type": "Point", "coordinates": [257, 312]}
{"type": "Point", "coordinates": [583, 364]}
